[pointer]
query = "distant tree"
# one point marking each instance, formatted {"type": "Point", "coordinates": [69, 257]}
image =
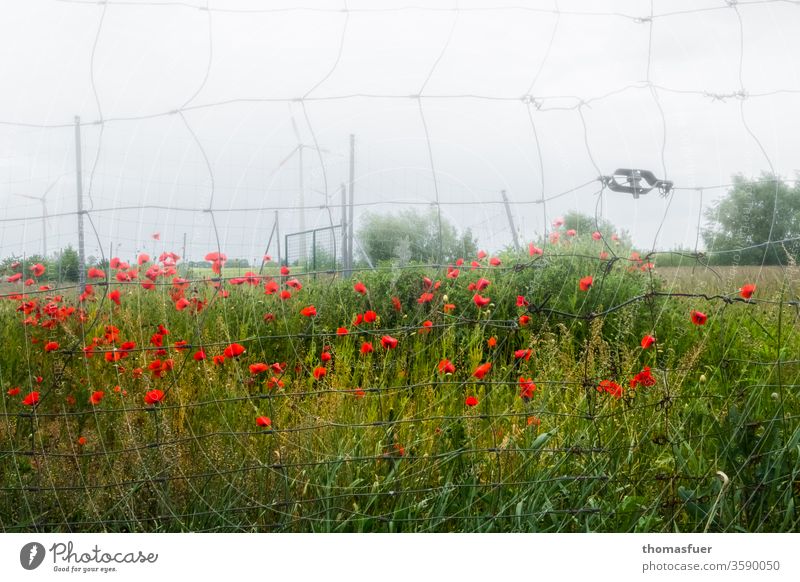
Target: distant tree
{"type": "Point", "coordinates": [751, 214]}
{"type": "Point", "coordinates": [586, 225]}
{"type": "Point", "coordinates": [65, 267]}
{"type": "Point", "coordinates": [413, 236]}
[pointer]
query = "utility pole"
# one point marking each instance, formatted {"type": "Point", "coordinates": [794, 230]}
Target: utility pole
{"type": "Point", "coordinates": [352, 193]}
{"type": "Point", "coordinates": [345, 265]}
{"type": "Point", "coordinates": [510, 220]}
{"type": "Point", "coordinates": [79, 189]}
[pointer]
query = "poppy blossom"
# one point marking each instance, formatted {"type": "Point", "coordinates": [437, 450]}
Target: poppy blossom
{"type": "Point", "coordinates": [603, 255]}
{"type": "Point", "coordinates": [482, 370]}
{"type": "Point", "coordinates": [523, 354]}
{"type": "Point", "coordinates": [524, 320]}
{"type": "Point", "coordinates": [14, 278]}
{"type": "Point", "coordinates": [359, 393]}
{"type": "Point", "coordinates": [482, 284]}
{"type": "Point", "coordinates": [258, 368]}
{"type": "Point", "coordinates": [491, 342]}
{"type": "Point", "coordinates": [218, 360]}
{"type": "Point", "coordinates": [481, 301]}
{"type": "Point", "coordinates": [453, 273]}
{"type": "Point", "coordinates": [309, 311]}
{"type": "Point", "coordinates": [286, 295]}
{"type": "Point", "coordinates": [114, 296]}
{"type": "Point", "coordinates": [647, 341]}
{"type": "Point", "coordinates": [294, 284]}
{"type": "Point", "coordinates": [182, 304]}
{"type": "Point", "coordinates": [263, 421]}
{"type": "Point", "coordinates": [448, 307]}
{"type": "Point", "coordinates": [319, 372]}
{"type": "Point", "coordinates": [495, 262]}
{"type": "Point", "coordinates": [325, 356]}
{"type": "Point", "coordinates": [572, 232]}
{"type": "Point", "coordinates": [285, 270]}
{"type": "Point", "coordinates": [526, 388]}
{"type": "Point", "coordinates": [698, 317]}
{"type": "Point", "coordinates": [471, 401]}
{"type": "Point", "coordinates": [96, 397]}
{"type": "Point", "coordinates": [13, 391]}
{"type": "Point", "coordinates": [596, 235]}
{"type": "Point", "coordinates": [82, 440]}
{"type": "Point", "coordinates": [234, 350]}
{"type": "Point", "coordinates": [95, 273]}
{"type": "Point", "coordinates": [153, 397]}
{"type": "Point", "coordinates": [37, 269]}
{"type": "Point", "coordinates": [425, 298]}
{"type": "Point", "coordinates": [522, 302]}
{"type": "Point", "coordinates": [747, 291]}
{"type": "Point", "coordinates": [396, 304]}
{"type": "Point", "coordinates": [199, 356]}
{"type": "Point", "coordinates": [585, 283]}
{"type": "Point", "coordinates": [360, 288]}
{"type": "Point", "coordinates": [341, 331]}
{"type": "Point", "coordinates": [50, 346]}
{"type": "Point", "coordinates": [481, 255]}
{"type": "Point", "coordinates": [370, 316]}
{"type": "Point", "coordinates": [533, 250]}
{"type": "Point", "coordinates": [446, 367]}
{"type": "Point", "coordinates": [32, 399]}
{"type": "Point", "coordinates": [643, 378]}
{"type": "Point", "coordinates": [366, 348]}
{"type": "Point", "coordinates": [427, 325]}
{"type": "Point", "coordinates": [611, 387]}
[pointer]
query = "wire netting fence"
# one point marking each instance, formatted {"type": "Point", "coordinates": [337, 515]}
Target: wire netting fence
{"type": "Point", "coordinates": [565, 383]}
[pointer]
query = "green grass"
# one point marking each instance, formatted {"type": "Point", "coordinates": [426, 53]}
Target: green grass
{"type": "Point", "coordinates": [407, 454]}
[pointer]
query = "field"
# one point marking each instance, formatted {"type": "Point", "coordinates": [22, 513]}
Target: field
{"type": "Point", "coordinates": [519, 396]}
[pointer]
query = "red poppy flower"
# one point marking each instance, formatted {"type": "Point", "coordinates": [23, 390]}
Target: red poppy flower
{"type": "Point", "coordinates": [427, 283]}
{"type": "Point", "coordinates": [234, 350]}
{"type": "Point", "coordinates": [524, 320]}
{"type": "Point", "coordinates": [258, 368]}
{"type": "Point", "coordinates": [396, 304]}
{"type": "Point", "coordinates": [13, 391]}
{"type": "Point", "coordinates": [521, 301]}
{"type": "Point", "coordinates": [284, 270]}
{"type": "Point", "coordinates": [446, 367]}
{"type": "Point", "coordinates": [448, 307]}
{"type": "Point", "coordinates": [526, 388]}
{"type": "Point", "coordinates": [32, 399]}
{"type": "Point", "coordinates": [603, 255]}
{"type": "Point", "coordinates": [294, 284]}
{"type": "Point", "coordinates": [218, 360]}
{"type": "Point", "coordinates": [643, 378]}
{"type": "Point", "coordinates": [482, 370]}
{"type": "Point", "coordinates": [271, 287]}
{"type": "Point", "coordinates": [309, 311]}
{"type": "Point", "coordinates": [366, 348]}
{"type": "Point", "coordinates": [427, 325]}
{"type": "Point", "coordinates": [698, 317]}
{"type": "Point", "coordinates": [325, 356]}
{"type": "Point", "coordinates": [360, 288]}
{"type": "Point", "coordinates": [263, 421]}
{"type": "Point", "coordinates": [495, 262]}
{"type": "Point", "coordinates": [523, 354]}
{"type": "Point", "coordinates": [95, 273]}
{"type": "Point", "coordinates": [50, 346]}
{"type": "Point", "coordinates": [481, 255]}
{"type": "Point", "coordinates": [359, 393]}
{"type": "Point", "coordinates": [648, 341]}
{"type": "Point", "coordinates": [533, 250]}
{"type": "Point", "coordinates": [481, 301]}
{"type": "Point", "coordinates": [82, 440]}
{"type": "Point", "coordinates": [611, 387]}
{"type": "Point", "coordinates": [182, 304]}
{"type": "Point", "coordinates": [453, 273]}
{"type": "Point", "coordinates": [153, 397]}
{"type": "Point", "coordinates": [585, 283]}
{"type": "Point", "coordinates": [341, 331]}
{"type": "Point", "coordinates": [596, 235]}
{"type": "Point", "coordinates": [37, 269]}
{"type": "Point", "coordinates": [747, 290]}
{"type": "Point", "coordinates": [285, 295]}
{"type": "Point", "coordinates": [114, 296]}
{"type": "Point", "coordinates": [425, 298]}
{"type": "Point", "coordinates": [471, 401]}
{"type": "Point", "coordinates": [491, 342]}
{"type": "Point", "coordinates": [370, 316]}
{"type": "Point", "coordinates": [199, 356]}
{"type": "Point", "coordinates": [319, 372]}
{"type": "Point", "coordinates": [482, 284]}
{"type": "Point", "coordinates": [96, 397]}
{"type": "Point", "coordinates": [14, 278]}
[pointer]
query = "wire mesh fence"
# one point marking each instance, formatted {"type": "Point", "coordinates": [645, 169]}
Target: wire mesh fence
{"type": "Point", "coordinates": [571, 381]}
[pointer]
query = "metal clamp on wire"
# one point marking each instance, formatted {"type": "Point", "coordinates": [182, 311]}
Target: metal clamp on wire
{"type": "Point", "coordinates": [636, 182]}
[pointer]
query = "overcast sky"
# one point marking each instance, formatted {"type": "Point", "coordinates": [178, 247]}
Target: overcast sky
{"type": "Point", "coordinates": [238, 71]}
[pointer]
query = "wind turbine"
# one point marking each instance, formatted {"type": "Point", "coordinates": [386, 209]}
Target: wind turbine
{"type": "Point", "coordinates": [43, 200]}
